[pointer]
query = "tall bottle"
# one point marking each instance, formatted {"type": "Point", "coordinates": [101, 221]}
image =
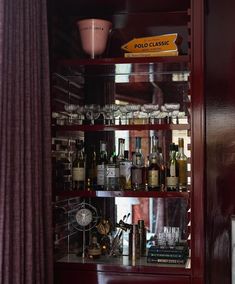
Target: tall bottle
{"type": "Point", "coordinates": [182, 165]}
{"type": "Point", "coordinates": [172, 177]}
{"type": "Point", "coordinates": [92, 168]}
{"type": "Point", "coordinates": [121, 148]}
{"type": "Point", "coordinates": [138, 169]}
{"type": "Point", "coordinates": [112, 174]}
{"type": "Point", "coordinates": [78, 171]}
{"type": "Point", "coordinates": [153, 172]}
{"type": "Point", "coordinates": [125, 172]}
{"type": "Point", "coordinates": [162, 166]}
{"type": "Point", "coordinates": [101, 163]}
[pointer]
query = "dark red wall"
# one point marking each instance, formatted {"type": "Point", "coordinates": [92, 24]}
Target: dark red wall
{"type": "Point", "coordinates": [220, 137]}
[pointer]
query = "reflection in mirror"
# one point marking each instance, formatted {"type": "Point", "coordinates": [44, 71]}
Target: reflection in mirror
{"type": "Point", "coordinates": [157, 214]}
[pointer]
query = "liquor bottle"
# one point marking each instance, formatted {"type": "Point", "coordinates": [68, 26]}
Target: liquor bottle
{"type": "Point", "coordinates": [153, 172]}
{"type": "Point", "coordinates": [121, 148]}
{"type": "Point", "coordinates": [172, 178]}
{"type": "Point", "coordinates": [125, 172]}
{"type": "Point", "coordinates": [112, 174]}
{"type": "Point", "coordinates": [78, 171]}
{"type": "Point", "coordinates": [102, 161]}
{"type": "Point", "coordinates": [182, 165]}
{"type": "Point", "coordinates": [162, 166]}
{"type": "Point", "coordinates": [92, 168]}
{"type": "Point", "coordinates": [138, 169]}
{"type": "Point", "coordinates": [63, 173]}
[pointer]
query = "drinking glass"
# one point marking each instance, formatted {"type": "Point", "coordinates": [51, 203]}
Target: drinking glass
{"type": "Point", "coordinates": [149, 108]}
{"type": "Point", "coordinates": [131, 109]}
{"type": "Point", "coordinates": [71, 110]}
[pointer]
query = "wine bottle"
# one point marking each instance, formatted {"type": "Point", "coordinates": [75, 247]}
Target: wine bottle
{"type": "Point", "coordinates": [153, 172]}
{"type": "Point", "coordinates": [78, 171]}
{"type": "Point", "coordinates": [92, 168]}
{"type": "Point", "coordinates": [172, 178]}
{"type": "Point", "coordinates": [125, 172]}
{"type": "Point", "coordinates": [162, 166]}
{"type": "Point", "coordinates": [101, 163]}
{"type": "Point", "coordinates": [182, 165]}
{"type": "Point", "coordinates": [138, 169]}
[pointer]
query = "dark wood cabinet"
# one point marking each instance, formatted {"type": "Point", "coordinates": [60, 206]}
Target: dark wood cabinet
{"type": "Point", "coordinates": [78, 80]}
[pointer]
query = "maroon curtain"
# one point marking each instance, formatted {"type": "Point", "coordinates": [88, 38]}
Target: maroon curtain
{"type": "Point", "coordinates": [25, 164]}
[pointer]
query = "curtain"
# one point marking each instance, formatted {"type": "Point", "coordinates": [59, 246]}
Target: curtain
{"type": "Point", "coordinates": [25, 163]}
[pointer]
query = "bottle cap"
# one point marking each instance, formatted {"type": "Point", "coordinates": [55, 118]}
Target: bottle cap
{"type": "Point", "coordinates": [181, 142]}
{"type": "Point", "coordinates": [126, 154]}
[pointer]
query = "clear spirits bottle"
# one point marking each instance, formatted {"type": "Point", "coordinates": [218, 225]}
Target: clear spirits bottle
{"type": "Point", "coordinates": [182, 165]}
{"type": "Point", "coordinates": [138, 169]}
{"type": "Point", "coordinates": [162, 166]}
{"type": "Point", "coordinates": [112, 174]}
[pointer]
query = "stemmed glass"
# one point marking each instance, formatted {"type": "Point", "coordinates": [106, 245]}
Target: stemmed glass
{"type": "Point", "coordinates": [132, 108]}
{"type": "Point", "coordinates": [124, 111]}
{"type": "Point", "coordinates": [109, 111]}
{"type": "Point", "coordinates": [149, 108]}
{"type": "Point", "coordinates": [172, 110]}
{"type": "Point", "coordinates": [92, 112]}
{"type": "Point", "coordinates": [71, 109]}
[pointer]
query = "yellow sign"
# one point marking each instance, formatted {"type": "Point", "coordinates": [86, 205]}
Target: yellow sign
{"type": "Point", "coordinates": [153, 43]}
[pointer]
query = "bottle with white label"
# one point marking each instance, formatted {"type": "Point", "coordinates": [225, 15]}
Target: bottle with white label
{"type": "Point", "coordinates": [172, 178]}
{"type": "Point", "coordinates": [153, 173]}
{"type": "Point", "coordinates": [78, 171]}
{"type": "Point", "coordinates": [112, 174]}
{"type": "Point", "coordinates": [101, 163]}
{"type": "Point", "coordinates": [125, 172]}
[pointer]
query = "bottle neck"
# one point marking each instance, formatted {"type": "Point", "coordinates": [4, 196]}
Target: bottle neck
{"type": "Point", "coordinates": [121, 148]}
{"type": "Point", "coordinates": [138, 145]}
{"type": "Point", "coordinates": [154, 147]}
{"type": "Point", "coordinates": [103, 151]}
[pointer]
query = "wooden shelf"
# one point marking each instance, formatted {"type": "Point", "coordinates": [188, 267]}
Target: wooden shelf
{"type": "Point", "coordinates": [122, 264]}
{"type": "Point", "coordinates": [130, 193]}
{"type": "Point", "coordinates": [138, 127]}
{"type": "Point", "coordinates": [120, 60]}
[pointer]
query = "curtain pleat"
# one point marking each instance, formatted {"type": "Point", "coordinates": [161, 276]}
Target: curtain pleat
{"type": "Point", "coordinates": [25, 138]}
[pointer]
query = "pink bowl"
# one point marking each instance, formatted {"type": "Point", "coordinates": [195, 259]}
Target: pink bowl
{"type": "Point", "coordinates": [94, 35]}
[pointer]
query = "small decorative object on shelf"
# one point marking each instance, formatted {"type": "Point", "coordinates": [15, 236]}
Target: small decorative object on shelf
{"type": "Point", "coordinates": [94, 35]}
{"type": "Point", "coordinates": [165, 45]}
